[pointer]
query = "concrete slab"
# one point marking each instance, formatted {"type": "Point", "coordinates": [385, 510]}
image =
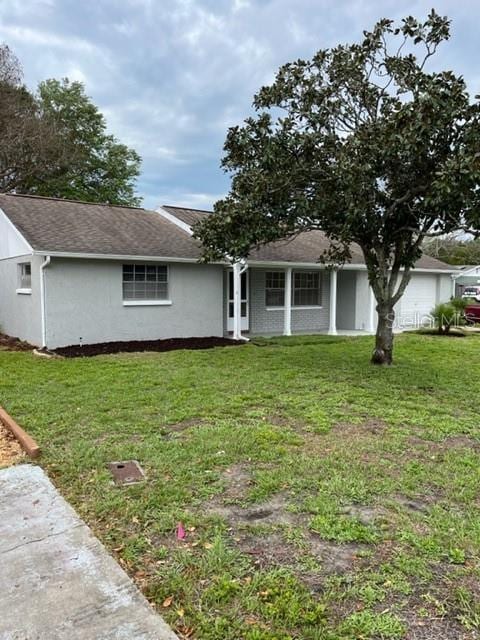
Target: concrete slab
{"type": "Point", "coordinates": [57, 581]}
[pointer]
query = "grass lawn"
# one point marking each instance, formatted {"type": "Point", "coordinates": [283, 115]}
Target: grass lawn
{"type": "Point", "coordinates": [323, 498]}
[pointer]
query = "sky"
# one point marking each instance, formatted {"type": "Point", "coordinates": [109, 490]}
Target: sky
{"type": "Point", "coordinates": [171, 76]}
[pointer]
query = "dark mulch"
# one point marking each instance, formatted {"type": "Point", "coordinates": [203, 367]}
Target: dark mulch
{"type": "Point", "coordinates": [87, 350]}
{"type": "Point", "coordinates": [8, 343]}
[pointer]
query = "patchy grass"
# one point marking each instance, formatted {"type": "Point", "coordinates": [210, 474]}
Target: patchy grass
{"type": "Point", "coordinates": [323, 498]}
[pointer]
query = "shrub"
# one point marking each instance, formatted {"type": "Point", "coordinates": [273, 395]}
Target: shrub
{"type": "Point", "coordinates": [449, 314]}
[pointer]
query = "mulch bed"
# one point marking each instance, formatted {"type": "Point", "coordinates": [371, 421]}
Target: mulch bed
{"type": "Point", "coordinates": [7, 343]}
{"type": "Point", "coordinates": [10, 449]}
{"type": "Point", "coordinates": [77, 351]}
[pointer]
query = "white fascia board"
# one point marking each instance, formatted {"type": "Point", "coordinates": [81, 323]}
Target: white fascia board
{"type": "Point", "coordinates": [345, 267]}
{"type": "Point", "coordinates": [252, 263]}
{"type": "Point", "coordinates": [171, 218]}
{"type": "Point", "coordinates": [108, 256]}
{"type": "Point", "coordinates": [446, 272]}
{"type": "Point", "coordinates": [24, 247]}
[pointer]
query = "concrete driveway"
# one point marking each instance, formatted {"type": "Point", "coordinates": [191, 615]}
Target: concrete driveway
{"type": "Point", "coordinates": [58, 581]}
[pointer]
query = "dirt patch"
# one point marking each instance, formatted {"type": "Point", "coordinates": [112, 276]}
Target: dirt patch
{"type": "Point", "coordinates": [172, 344]}
{"type": "Point", "coordinates": [334, 558]}
{"type": "Point", "coordinates": [268, 550]}
{"type": "Point", "coordinates": [7, 343]}
{"type": "Point", "coordinates": [272, 548]}
{"type": "Point", "coordinates": [364, 513]}
{"type": "Point", "coordinates": [428, 628]}
{"type": "Point", "coordinates": [238, 482]}
{"type": "Point", "coordinates": [280, 420]}
{"type": "Point", "coordinates": [10, 450]}
{"type": "Point", "coordinates": [272, 535]}
{"type": "Point", "coordinates": [369, 427]}
{"type": "Point", "coordinates": [420, 505]}
{"type": "Point", "coordinates": [174, 430]}
{"type": "Point", "coordinates": [459, 441]}
{"type": "Point", "coordinates": [271, 512]}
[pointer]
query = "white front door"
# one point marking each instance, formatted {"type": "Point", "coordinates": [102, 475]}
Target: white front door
{"type": "Point", "coordinates": [244, 301]}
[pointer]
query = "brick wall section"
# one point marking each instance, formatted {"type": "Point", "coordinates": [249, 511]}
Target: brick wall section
{"type": "Point", "coordinates": [263, 321]}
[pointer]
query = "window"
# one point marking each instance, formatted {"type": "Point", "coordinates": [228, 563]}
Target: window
{"type": "Point", "coordinates": [25, 275]}
{"type": "Point", "coordinates": [306, 289]}
{"type": "Point", "coordinates": [145, 282]}
{"type": "Point", "coordinates": [275, 288]}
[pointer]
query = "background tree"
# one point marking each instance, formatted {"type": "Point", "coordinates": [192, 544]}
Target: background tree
{"type": "Point", "coordinates": [100, 168]}
{"type": "Point", "coordinates": [362, 143]}
{"type": "Point", "coordinates": [454, 250]}
{"type": "Point", "coordinates": [30, 150]}
{"type": "Point", "coordinates": [55, 143]}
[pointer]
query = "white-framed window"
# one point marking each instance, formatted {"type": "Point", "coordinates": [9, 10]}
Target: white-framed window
{"type": "Point", "coordinates": [275, 288]}
{"type": "Point", "coordinates": [307, 289]}
{"type": "Point", "coordinates": [148, 282]}
{"type": "Point", "coordinates": [25, 276]}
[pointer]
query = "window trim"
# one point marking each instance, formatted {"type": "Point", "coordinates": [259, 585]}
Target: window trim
{"type": "Point", "coordinates": [146, 302]}
{"type": "Point", "coordinates": [267, 289]}
{"type": "Point", "coordinates": [294, 306]}
{"type": "Point", "coordinates": [22, 289]}
{"type": "Point", "coordinates": [319, 289]}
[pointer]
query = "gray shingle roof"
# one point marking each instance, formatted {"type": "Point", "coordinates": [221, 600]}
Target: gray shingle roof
{"type": "Point", "coordinates": [304, 248]}
{"type": "Point", "coordinates": [65, 226]}
{"type": "Point", "coordinates": [189, 216]}
{"type": "Point", "coordinates": [54, 225]}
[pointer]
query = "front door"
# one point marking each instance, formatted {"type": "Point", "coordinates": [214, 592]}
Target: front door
{"type": "Point", "coordinates": [244, 301]}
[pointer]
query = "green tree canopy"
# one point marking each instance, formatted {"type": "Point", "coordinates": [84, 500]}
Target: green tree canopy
{"type": "Point", "coordinates": [99, 168]}
{"type": "Point", "coordinates": [55, 142]}
{"type": "Point", "coordinates": [454, 250]}
{"type": "Point", "coordinates": [30, 150]}
{"type": "Point", "coordinates": [360, 142]}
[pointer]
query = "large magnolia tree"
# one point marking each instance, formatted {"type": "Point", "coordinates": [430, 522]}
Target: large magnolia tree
{"type": "Point", "coordinates": [363, 143]}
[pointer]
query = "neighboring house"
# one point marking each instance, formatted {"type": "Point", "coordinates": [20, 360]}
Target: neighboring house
{"type": "Point", "coordinates": [73, 272]}
{"type": "Point", "coordinates": [464, 276]}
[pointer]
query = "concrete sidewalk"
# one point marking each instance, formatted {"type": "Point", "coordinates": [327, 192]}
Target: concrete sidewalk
{"type": "Point", "coordinates": [57, 581]}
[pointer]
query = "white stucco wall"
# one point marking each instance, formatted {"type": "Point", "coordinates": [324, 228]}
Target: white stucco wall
{"type": "Point", "coordinates": [20, 314]}
{"type": "Point", "coordinates": [84, 302]}
{"type": "Point", "coordinates": [12, 243]}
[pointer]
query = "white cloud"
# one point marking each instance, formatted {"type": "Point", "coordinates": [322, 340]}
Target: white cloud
{"type": "Point", "coordinates": [172, 75]}
{"type": "Point", "coordinates": [37, 37]}
{"type": "Point", "coordinates": [240, 5]}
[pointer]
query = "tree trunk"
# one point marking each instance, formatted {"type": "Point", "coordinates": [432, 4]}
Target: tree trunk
{"type": "Point", "coordinates": [383, 352]}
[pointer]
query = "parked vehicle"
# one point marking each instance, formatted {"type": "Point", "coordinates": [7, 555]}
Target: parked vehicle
{"type": "Point", "coordinates": [472, 292]}
{"type": "Point", "coordinates": [472, 313]}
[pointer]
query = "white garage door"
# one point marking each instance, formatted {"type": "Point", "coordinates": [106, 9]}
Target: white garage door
{"type": "Point", "coordinates": [417, 301]}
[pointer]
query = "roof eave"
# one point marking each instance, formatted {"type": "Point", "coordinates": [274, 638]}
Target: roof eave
{"type": "Point", "coordinates": [111, 256]}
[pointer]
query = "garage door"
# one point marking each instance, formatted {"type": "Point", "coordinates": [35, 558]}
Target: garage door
{"type": "Point", "coordinates": [417, 301]}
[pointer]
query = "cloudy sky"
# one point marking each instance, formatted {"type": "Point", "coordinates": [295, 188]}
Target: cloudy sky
{"type": "Point", "coordinates": [172, 75]}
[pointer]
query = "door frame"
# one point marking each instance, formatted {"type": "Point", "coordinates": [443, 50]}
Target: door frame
{"type": "Point", "coordinates": [245, 320]}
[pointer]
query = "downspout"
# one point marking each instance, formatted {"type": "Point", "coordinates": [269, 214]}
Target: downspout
{"type": "Point", "coordinates": [43, 303]}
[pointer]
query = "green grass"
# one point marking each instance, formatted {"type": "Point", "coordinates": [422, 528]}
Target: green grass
{"type": "Point", "coordinates": [376, 466]}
